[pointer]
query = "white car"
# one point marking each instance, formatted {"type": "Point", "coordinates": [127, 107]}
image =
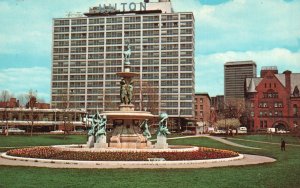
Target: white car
{"type": "Point", "coordinates": [281, 131]}
{"type": "Point", "coordinates": [15, 130]}
{"type": "Point", "coordinates": [242, 130]}
{"type": "Point", "coordinates": [219, 131]}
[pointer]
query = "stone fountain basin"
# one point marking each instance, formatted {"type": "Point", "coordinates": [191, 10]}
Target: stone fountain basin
{"type": "Point", "coordinates": [136, 115]}
{"type": "Point", "coordinates": [82, 147]}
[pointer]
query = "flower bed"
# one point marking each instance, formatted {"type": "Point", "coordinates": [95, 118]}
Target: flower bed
{"type": "Point", "coordinates": [56, 153]}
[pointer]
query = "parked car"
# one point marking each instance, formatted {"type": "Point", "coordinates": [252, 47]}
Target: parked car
{"type": "Point", "coordinates": [15, 130]}
{"type": "Point", "coordinates": [188, 132]}
{"type": "Point", "coordinates": [271, 130]}
{"type": "Point", "coordinates": [282, 131]}
{"type": "Point", "coordinates": [219, 131]}
{"type": "Point", "coordinates": [242, 130]}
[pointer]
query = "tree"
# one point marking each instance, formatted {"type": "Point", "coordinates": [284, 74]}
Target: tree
{"type": "Point", "coordinates": [67, 116]}
{"type": "Point", "coordinates": [149, 100]}
{"type": "Point", "coordinates": [231, 123]}
{"type": "Point", "coordinates": [4, 97]}
{"type": "Point", "coordinates": [31, 98]}
{"type": "Point", "coordinates": [22, 99]}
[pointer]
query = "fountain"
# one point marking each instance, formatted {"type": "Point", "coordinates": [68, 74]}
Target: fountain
{"type": "Point", "coordinates": [127, 133]}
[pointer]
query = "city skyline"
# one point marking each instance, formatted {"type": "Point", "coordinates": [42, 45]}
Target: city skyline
{"type": "Point", "coordinates": [225, 31]}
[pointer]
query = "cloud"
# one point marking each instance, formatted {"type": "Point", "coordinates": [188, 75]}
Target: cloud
{"type": "Point", "coordinates": [21, 80]}
{"type": "Point", "coordinates": [241, 25]}
{"type": "Point", "coordinates": [210, 68]}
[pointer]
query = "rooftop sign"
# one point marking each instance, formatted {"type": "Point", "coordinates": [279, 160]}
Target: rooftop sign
{"type": "Point", "coordinates": [111, 8]}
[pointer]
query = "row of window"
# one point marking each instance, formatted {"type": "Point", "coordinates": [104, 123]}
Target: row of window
{"type": "Point", "coordinates": [133, 63]}
{"type": "Point", "coordinates": [268, 113]}
{"type": "Point", "coordinates": [116, 27]}
{"type": "Point", "coordinates": [266, 105]}
{"type": "Point", "coordinates": [120, 19]}
{"type": "Point", "coordinates": [119, 55]}
{"type": "Point", "coordinates": [133, 48]}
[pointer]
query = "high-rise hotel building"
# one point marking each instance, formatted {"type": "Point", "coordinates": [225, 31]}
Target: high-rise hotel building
{"type": "Point", "coordinates": [88, 52]}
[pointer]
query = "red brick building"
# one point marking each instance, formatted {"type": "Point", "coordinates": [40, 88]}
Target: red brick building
{"type": "Point", "coordinates": [273, 100]}
{"type": "Point", "coordinates": [202, 108]}
{"type": "Point", "coordinates": [12, 103]}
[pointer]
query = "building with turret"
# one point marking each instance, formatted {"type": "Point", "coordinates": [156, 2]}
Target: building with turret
{"type": "Point", "coordinates": [273, 100]}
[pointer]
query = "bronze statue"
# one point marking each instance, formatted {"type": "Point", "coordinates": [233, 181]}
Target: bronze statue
{"type": "Point", "coordinates": [123, 92]}
{"type": "Point", "coordinates": [130, 92]}
{"type": "Point", "coordinates": [145, 128]}
{"type": "Point", "coordinates": [163, 129]}
{"type": "Point", "coordinates": [127, 54]}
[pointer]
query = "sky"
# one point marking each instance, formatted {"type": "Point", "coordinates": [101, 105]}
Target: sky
{"type": "Point", "coordinates": [265, 31]}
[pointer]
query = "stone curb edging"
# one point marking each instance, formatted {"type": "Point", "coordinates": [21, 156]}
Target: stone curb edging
{"type": "Point", "coordinates": [81, 148]}
{"type": "Point", "coordinates": [122, 164]}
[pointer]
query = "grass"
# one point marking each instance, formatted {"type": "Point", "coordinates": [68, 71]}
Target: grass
{"type": "Point", "coordinates": [17, 141]}
{"type": "Point", "coordinates": [283, 173]}
{"type": "Point", "coordinates": [271, 138]}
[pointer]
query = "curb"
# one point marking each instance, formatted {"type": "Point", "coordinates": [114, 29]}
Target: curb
{"type": "Point", "coordinates": [123, 164]}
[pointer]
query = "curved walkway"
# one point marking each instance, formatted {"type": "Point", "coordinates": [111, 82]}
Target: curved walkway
{"type": "Point", "coordinates": [239, 161]}
{"type": "Point", "coordinates": [220, 139]}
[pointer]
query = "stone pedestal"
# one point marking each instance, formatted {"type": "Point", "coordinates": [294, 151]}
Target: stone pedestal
{"type": "Point", "coordinates": [126, 107]}
{"type": "Point", "coordinates": [101, 142]}
{"type": "Point", "coordinates": [133, 141]}
{"type": "Point", "coordinates": [161, 142]}
{"type": "Point", "coordinates": [149, 144]}
{"type": "Point", "coordinates": [90, 142]}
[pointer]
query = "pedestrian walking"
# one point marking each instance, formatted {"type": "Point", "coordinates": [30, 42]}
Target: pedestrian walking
{"type": "Point", "coordinates": [282, 144]}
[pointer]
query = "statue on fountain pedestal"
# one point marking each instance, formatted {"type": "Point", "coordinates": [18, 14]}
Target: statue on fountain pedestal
{"type": "Point", "coordinates": [123, 92]}
{"type": "Point", "coordinates": [127, 54]}
{"type": "Point", "coordinates": [95, 121]}
{"type": "Point", "coordinates": [101, 129]}
{"type": "Point", "coordinates": [162, 132]}
{"type": "Point", "coordinates": [130, 92]}
{"type": "Point", "coordinates": [145, 128]}
{"type": "Point", "coordinates": [163, 129]}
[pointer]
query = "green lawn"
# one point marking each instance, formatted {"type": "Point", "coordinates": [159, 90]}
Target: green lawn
{"type": "Point", "coordinates": [271, 138]}
{"type": "Point", "coordinates": [283, 173]}
{"type": "Point", "coordinates": [39, 140]}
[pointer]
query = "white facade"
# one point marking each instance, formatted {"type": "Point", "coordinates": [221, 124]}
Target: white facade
{"type": "Point", "coordinates": [88, 51]}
